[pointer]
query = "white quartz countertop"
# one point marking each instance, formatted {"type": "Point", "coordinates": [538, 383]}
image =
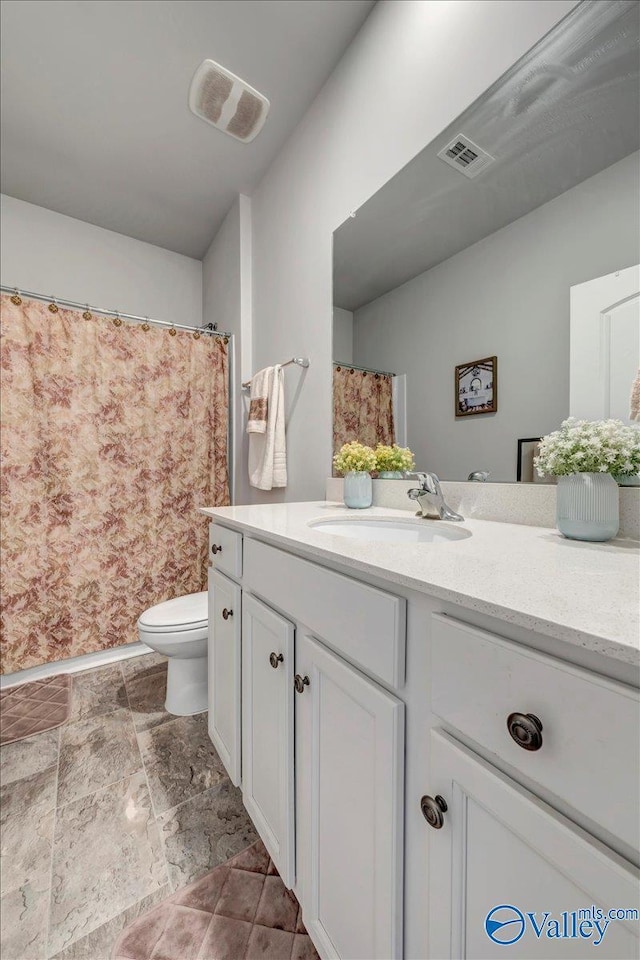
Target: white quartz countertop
{"type": "Point", "coordinates": [587, 594]}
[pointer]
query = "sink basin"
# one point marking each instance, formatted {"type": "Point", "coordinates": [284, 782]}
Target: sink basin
{"type": "Point", "coordinates": [392, 530]}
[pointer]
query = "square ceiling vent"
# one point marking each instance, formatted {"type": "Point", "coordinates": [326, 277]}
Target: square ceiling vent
{"type": "Point", "coordinates": [464, 155]}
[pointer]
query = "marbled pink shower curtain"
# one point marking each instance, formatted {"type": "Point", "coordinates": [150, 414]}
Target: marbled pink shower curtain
{"type": "Point", "coordinates": [362, 407]}
{"type": "Point", "coordinates": [112, 437]}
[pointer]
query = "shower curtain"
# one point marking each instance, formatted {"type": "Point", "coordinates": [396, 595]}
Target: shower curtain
{"type": "Point", "coordinates": [112, 436]}
{"type": "Point", "coordinates": [362, 407]}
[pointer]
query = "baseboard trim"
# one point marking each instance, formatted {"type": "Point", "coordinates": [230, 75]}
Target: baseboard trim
{"type": "Point", "coordinates": [74, 664]}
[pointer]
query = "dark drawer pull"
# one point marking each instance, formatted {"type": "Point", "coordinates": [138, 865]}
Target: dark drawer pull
{"type": "Point", "coordinates": [526, 730]}
{"type": "Point", "coordinates": [300, 683]}
{"type": "Point", "coordinates": [216, 548]}
{"type": "Point", "coordinates": [433, 810]}
{"type": "Point", "coordinates": [275, 659]}
{"type": "Point", "coordinates": [226, 614]}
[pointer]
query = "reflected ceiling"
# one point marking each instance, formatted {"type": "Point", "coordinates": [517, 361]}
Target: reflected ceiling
{"type": "Point", "coordinates": [543, 122]}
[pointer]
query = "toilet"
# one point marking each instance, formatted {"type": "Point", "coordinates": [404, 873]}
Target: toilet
{"type": "Point", "coordinates": [177, 629]}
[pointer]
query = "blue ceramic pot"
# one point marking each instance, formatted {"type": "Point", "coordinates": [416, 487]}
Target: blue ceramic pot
{"type": "Point", "coordinates": [358, 489]}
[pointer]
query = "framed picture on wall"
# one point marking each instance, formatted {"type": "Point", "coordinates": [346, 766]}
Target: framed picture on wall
{"type": "Point", "coordinates": [476, 386]}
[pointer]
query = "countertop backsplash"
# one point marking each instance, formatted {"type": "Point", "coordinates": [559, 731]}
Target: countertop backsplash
{"type": "Point", "coordinates": [532, 504]}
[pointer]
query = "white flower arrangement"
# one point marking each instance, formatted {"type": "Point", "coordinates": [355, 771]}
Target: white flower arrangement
{"type": "Point", "coordinates": [354, 456]}
{"type": "Point", "coordinates": [590, 446]}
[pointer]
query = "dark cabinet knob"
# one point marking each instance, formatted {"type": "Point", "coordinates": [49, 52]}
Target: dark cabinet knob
{"type": "Point", "coordinates": [526, 730]}
{"type": "Point", "coordinates": [216, 548]}
{"type": "Point", "coordinates": [300, 683]}
{"type": "Point", "coordinates": [226, 614]}
{"type": "Point", "coordinates": [433, 810]}
{"type": "Point", "coordinates": [275, 659]}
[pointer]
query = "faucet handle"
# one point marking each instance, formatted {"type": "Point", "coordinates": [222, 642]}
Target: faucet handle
{"type": "Point", "coordinates": [428, 481]}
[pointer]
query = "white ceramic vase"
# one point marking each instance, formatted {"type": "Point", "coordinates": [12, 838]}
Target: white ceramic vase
{"type": "Point", "coordinates": [588, 506]}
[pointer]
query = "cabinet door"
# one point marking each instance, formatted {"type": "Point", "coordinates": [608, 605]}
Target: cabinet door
{"type": "Point", "coordinates": [225, 651]}
{"type": "Point", "coordinates": [350, 763]}
{"type": "Point", "coordinates": [267, 730]}
{"type": "Point", "coordinates": [507, 873]}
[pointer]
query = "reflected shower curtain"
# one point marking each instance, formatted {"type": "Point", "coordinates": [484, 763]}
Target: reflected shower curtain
{"type": "Point", "coordinates": [112, 437]}
{"type": "Point", "coordinates": [362, 407]}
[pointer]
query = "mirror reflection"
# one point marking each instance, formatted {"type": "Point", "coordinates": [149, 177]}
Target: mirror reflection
{"type": "Point", "coordinates": [491, 288]}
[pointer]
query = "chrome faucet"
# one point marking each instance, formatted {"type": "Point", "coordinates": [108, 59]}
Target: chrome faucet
{"type": "Point", "coordinates": [479, 476]}
{"type": "Point", "coordinates": [430, 498]}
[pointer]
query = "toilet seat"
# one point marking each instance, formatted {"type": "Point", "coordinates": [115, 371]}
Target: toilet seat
{"type": "Point", "coordinates": [178, 629]}
{"type": "Point", "coordinates": [179, 615]}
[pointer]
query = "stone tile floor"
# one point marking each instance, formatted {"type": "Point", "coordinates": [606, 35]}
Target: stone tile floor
{"type": "Point", "coordinates": [104, 817]}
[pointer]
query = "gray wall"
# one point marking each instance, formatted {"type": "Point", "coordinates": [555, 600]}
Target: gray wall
{"type": "Point", "coordinates": [342, 335]}
{"type": "Point", "coordinates": [391, 94]}
{"type": "Point", "coordinates": [507, 295]}
{"type": "Point", "coordinates": [226, 300]}
{"type": "Point", "coordinates": [50, 253]}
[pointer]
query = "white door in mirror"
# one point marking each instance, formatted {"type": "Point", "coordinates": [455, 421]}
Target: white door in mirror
{"type": "Point", "coordinates": [604, 345]}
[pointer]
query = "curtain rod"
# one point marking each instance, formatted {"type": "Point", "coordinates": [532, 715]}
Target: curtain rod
{"type": "Point", "coordinates": [354, 366]}
{"type": "Point", "coordinates": [109, 313]}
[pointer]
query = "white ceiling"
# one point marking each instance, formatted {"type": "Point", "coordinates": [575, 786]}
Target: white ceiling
{"type": "Point", "coordinates": [95, 121]}
{"type": "Point", "coordinates": [569, 109]}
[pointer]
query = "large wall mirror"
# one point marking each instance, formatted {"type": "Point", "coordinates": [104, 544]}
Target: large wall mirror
{"type": "Point", "coordinates": [491, 288]}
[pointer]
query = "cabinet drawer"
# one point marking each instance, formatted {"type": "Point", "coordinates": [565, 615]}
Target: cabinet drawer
{"type": "Point", "coordinates": [225, 549]}
{"type": "Point", "coordinates": [590, 725]}
{"type": "Point", "coordinates": [363, 624]}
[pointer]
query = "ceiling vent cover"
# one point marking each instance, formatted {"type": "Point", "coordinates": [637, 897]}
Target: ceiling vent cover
{"type": "Point", "coordinates": [466, 156]}
{"type": "Point", "coordinates": [227, 102]}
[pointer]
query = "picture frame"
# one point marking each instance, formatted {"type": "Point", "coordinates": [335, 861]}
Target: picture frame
{"type": "Point", "coordinates": [527, 450]}
{"type": "Point", "coordinates": [476, 387]}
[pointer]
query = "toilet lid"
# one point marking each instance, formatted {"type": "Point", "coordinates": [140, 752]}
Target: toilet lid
{"type": "Point", "coordinates": [189, 612]}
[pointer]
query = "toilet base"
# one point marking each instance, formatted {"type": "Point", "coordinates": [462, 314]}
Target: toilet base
{"type": "Point", "coordinates": [186, 686]}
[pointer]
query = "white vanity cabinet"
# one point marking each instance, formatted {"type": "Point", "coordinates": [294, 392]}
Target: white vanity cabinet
{"type": "Point", "coordinates": [500, 858]}
{"type": "Point", "coordinates": [370, 716]}
{"type": "Point", "coordinates": [501, 854]}
{"type": "Point", "coordinates": [350, 768]}
{"type": "Point", "coordinates": [267, 730]}
{"type": "Point", "coordinates": [224, 668]}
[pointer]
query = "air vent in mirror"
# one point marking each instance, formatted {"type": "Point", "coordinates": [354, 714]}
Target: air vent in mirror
{"type": "Point", "coordinates": [466, 156]}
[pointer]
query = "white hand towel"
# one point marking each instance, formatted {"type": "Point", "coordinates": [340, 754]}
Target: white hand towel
{"type": "Point", "coordinates": [267, 449]}
{"type": "Point", "coordinates": [259, 403]}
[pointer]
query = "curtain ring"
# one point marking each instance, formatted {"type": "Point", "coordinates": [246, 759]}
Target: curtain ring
{"type": "Point", "coordinates": [16, 298]}
{"type": "Point", "coordinates": [377, 376]}
{"type": "Point", "coordinates": [225, 340]}
{"type": "Point", "coordinates": [338, 369]}
{"type": "Point", "coordinates": [87, 314]}
{"type": "Point", "coordinates": [172, 331]}
{"type": "Point", "coordinates": [352, 370]}
{"type": "Point", "coordinates": [145, 326]}
{"type": "Point", "coordinates": [364, 373]}
{"type": "Point", "coordinates": [196, 334]}
{"type": "Point", "coordinates": [53, 306]}
{"type": "Point", "coordinates": [117, 322]}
